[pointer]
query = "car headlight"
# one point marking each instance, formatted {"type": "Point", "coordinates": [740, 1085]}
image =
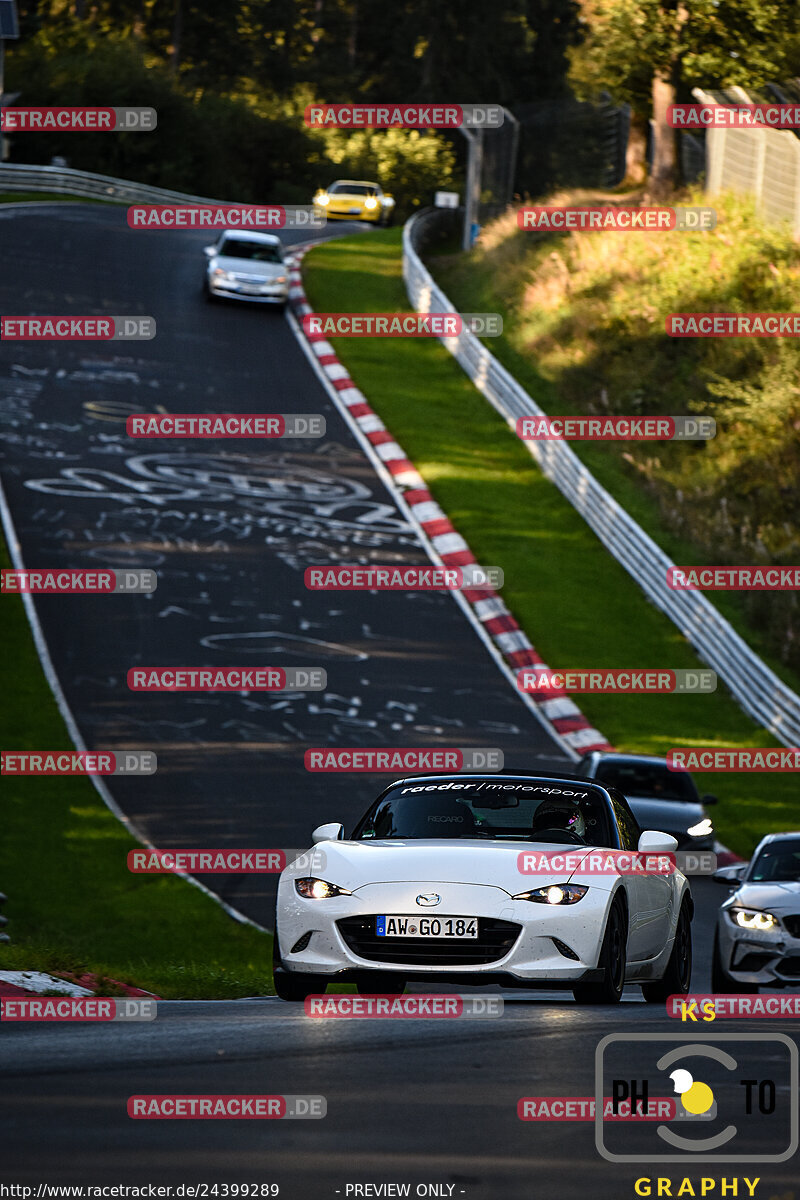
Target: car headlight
{"type": "Point", "coordinates": [323, 199]}
{"type": "Point", "coordinates": [318, 889]}
{"type": "Point", "coordinates": [279, 279]}
{"type": "Point", "coordinates": [388, 201]}
{"type": "Point", "coordinates": [749, 918]}
{"type": "Point", "coordinates": [370, 202]}
{"type": "Point", "coordinates": [701, 829]}
{"type": "Point", "coordinates": [218, 273]}
{"type": "Point", "coordinates": [559, 893]}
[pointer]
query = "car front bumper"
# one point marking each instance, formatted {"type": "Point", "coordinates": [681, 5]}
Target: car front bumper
{"type": "Point", "coordinates": [263, 294]}
{"type": "Point", "coordinates": [754, 957]}
{"type": "Point", "coordinates": [550, 944]}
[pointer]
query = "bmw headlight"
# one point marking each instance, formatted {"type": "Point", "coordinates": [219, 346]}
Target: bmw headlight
{"type": "Point", "coordinates": [703, 828]}
{"type": "Point", "coordinates": [370, 202]}
{"type": "Point", "coordinates": [559, 893]}
{"type": "Point", "coordinates": [318, 889]}
{"type": "Point", "coordinates": [323, 199]}
{"type": "Point", "coordinates": [749, 918]}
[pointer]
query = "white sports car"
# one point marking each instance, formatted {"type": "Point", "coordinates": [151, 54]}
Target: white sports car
{"type": "Point", "coordinates": [487, 879]}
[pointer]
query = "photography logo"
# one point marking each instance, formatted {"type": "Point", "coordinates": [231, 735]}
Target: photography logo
{"type": "Point", "coordinates": [736, 1097]}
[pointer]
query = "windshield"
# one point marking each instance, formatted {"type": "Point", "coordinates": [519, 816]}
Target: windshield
{"type": "Point", "coordinates": [256, 251]}
{"type": "Point", "coordinates": [650, 781]}
{"type": "Point", "coordinates": [778, 862]}
{"type": "Point", "coordinates": [351, 189]}
{"type": "Point", "coordinates": [492, 808]}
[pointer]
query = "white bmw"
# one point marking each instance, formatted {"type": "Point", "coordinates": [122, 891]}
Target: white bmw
{"type": "Point", "coordinates": [487, 879]}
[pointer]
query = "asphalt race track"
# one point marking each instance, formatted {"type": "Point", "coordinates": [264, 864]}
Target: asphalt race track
{"type": "Point", "coordinates": [229, 530]}
{"type": "Point", "coordinates": [230, 527]}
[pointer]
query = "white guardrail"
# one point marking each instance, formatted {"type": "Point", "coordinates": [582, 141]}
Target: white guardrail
{"type": "Point", "coordinates": [66, 181]}
{"type": "Point", "coordinates": [758, 690]}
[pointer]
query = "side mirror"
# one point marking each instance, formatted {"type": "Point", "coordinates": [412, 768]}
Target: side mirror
{"type": "Point", "coordinates": [209, 251]}
{"type": "Point", "coordinates": [730, 876]}
{"type": "Point", "coordinates": [652, 841]}
{"type": "Point", "coordinates": [332, 832]}
{"type": "Point", "coordinates": [709, 799]}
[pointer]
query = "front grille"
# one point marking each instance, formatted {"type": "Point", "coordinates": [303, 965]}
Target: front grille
{"type": "Point", "coordinates": [753, 962]}
{"type": "Point", "coordinates": [789, 966]}
{"type": "Point", "coordinates": [495, 939]}
{"type": "Point", "coordinates": [792, 923]}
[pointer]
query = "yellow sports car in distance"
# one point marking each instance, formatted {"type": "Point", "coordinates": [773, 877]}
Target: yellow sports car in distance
{"type": "Point", "coordinates": [356, 200]}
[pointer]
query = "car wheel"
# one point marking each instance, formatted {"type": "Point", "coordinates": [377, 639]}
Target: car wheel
{"type": "Point", "coordinates": [677, 977]}
{"type": "Point", "coordinates": [721, 981]}
{"type": "Point", "coordinates": [612, 962]}
{"type": "Point", "coordinates": [382, 985]}
{"type": "Point", "coordinates": [293, 986]}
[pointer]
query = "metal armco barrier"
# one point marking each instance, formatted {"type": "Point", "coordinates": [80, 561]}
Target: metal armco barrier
{"type": "Point", "coordinates": [759, 691]}
{"type": "Point", "coordinates": [20, 177]}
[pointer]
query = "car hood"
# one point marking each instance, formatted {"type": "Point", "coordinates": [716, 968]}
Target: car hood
{"type": "Point", "coordinates": [779, 896]}
{"type": "Point", "coordinates": [667, 816]}
{"type": "Point", "coordinates": [246, 266]}
{"type": "Point", "coordinates": [356, 864]}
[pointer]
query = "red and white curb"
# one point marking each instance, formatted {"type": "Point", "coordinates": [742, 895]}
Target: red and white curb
{"type": "Point", "coordinates": [36, 983]}
{"type": "Point", "coordinates": [561, 715]}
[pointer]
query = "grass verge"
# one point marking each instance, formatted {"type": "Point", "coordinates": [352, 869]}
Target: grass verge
{"type": "Point", "coordinates": [580, 608]}
{"type": "Point", "coordinates": [72, 904]}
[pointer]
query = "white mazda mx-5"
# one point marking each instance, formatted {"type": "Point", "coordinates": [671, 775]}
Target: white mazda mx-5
{"type": "Point", "coordinates": [518, 879]}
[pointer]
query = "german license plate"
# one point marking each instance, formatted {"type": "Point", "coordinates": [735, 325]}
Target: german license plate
{"type": "Point", "coordinates": [426, 927]}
